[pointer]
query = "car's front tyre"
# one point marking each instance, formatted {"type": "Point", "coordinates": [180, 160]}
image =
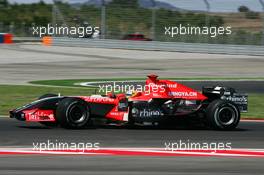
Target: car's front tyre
{"type": "Point", "coordinates": [73, 113]}
{"type": "Point", "coordinates": [223, 115]}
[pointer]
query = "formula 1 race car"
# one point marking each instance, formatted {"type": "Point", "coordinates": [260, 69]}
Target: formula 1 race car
{"type": "Point", "coordinates": [161, 100]}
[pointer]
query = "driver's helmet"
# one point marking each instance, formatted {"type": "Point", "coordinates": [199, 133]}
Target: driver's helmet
{"type": "Point", "coordinates": [132, 93]}
{"type": "Point", "coordinates": [129, 93]}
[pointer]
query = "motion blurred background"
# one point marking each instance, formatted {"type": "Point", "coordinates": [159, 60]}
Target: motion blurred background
{"type": "Point", "coordinates": [117, 18]}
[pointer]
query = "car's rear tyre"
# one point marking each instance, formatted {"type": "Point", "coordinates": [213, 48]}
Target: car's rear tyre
{"type": "Point", "coordinates": [48, 124]}
{"type": "Point", "coordinates": [222, 115]}
{"type": "Point", "coordinates": [73, 113]}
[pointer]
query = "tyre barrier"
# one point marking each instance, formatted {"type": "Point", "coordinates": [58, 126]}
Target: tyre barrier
{"type": "Point", "coordinates": [6, 38]}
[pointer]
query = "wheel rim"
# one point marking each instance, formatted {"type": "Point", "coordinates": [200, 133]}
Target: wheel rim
{"type": "Point", "coordinates": [77, 113]}
{"type": "Point", "coordinates": [226, 115]}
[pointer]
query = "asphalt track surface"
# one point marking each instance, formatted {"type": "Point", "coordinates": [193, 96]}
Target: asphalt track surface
{"type": "Point", "coordinates": [16, 133]}
{"type": "Point", "coordinates": [20, 134]}
{"type": "Point", "coordinates": [22, 63]}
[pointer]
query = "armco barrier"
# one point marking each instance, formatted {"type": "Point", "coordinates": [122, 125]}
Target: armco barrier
{"type": "Point", "coordinates": [152, 45]}
{"type": "Point", "coordinates": [162, 46]}
{"type": "Point", "coordinates": [6, 38]}
{"type": "Point", "coordinates": [26, 39]}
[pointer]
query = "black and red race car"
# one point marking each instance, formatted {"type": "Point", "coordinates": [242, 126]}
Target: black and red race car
{"type": "Point", "coordinates": [162, 100]}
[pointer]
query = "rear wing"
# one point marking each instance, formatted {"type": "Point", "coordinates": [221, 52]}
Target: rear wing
{"type": "Point", "coordinates": [241, 100]}
{"type": "Point", "coordinates": [226, 93]}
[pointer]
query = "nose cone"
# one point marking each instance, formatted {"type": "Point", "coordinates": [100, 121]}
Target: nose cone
{"type": "Point", "coordinates": [11, 114]}
{"type": "Point", "coordinates": [17, 115]}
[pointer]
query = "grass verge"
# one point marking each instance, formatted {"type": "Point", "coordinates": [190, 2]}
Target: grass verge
{"type": "Point", "coordinates": [14, 96]}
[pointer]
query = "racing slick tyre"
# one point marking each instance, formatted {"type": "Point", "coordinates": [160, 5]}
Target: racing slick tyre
{"type": "Point", "coordinates": [48, 124]}
{"type": "Point", "coordinates": [73, 113]}
{"type": "Point", "coordinates": [222, 115]}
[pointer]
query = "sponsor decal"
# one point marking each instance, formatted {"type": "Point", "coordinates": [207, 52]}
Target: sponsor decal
{"type": "Point", "coordinates": [122, 105]}
{"type": "Point", "coordinates": [146, 112]}
{"type": "Point", "coordinates": [183, 94]}
{"type": "Point", "coordinates": [99, 99]}
{"type": "Point", "coordinates": [171, 85]}
{"type": "Point", "coordinates": [237, 99]}
{"type": "Point", "coordinates": [116, 113]}
{"type": "Point", "coordinates": [35, 116]}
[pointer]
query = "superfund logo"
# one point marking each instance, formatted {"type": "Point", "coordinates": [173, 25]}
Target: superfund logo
{"type": "Point", "coordinates": [183, 94]}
